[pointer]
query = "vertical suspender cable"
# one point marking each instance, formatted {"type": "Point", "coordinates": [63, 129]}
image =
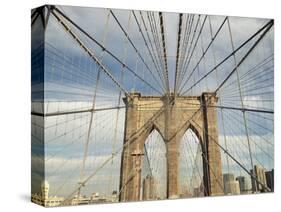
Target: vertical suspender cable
{"type": "Point", "coordinates": [82, 173]}
{"type": "Point", "coordinates": [222, 116]}
{"type": "Point", "coordinates": [242, 105]}
{"type": "Point", "coordinates": [119, 102]}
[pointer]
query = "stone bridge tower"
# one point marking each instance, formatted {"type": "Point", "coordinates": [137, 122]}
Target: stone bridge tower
{"type": "Point", "coordinates": [171, 116]}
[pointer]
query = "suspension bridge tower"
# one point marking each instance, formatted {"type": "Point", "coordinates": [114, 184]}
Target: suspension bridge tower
{"type": "Point", "coordinates": [171, 115]}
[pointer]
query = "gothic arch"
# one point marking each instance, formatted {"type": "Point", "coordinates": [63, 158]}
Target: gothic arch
{"type": "Point", "coordinates": [189, 161]}
{"type": "Point", "coordinates": [197, 132]}
{"type": "Point", "coordinates": [146, 113]}
{"type": "Point", "coordinates": [149, 130]}
{"type": "Point", "coordinates": [154, 179]}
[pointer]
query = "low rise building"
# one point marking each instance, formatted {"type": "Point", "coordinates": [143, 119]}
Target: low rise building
{"type": "Point", "coordinates": [44, 199]}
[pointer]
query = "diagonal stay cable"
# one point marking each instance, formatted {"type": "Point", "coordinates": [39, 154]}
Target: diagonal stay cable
{"type": "Point", "coordinates": [230, 74]}
{"type": "Point", "coordinates": [268, 24]}
{"type": "Point", "coordinates": [238, 64]}
{"type": "Point", "coordinates": [153, 47]}
{"type": "Point", "coordinates": [236, 161]}
{"type": "Point", "coordinates": [196, 42]}
{"type": "Point", "coordinates": [103, 47]}
{"type": "Point", "coordinates": [133, 45]}
{"type": "Point", "coordinates": [206, 50]}
{"type": "Point", "coordinates": [185, 46]}
{"type": "Point", "coordinates": [267, 28]}
{"type": "Point", "coordinates": [88, 51]}
{"type": "Point", "coordinates": [188, 54]}
{"type": "Point", "coordinates": [156, 42]}
{"type": "Point", "coordinates": [131, 140]}
{"type": "Point", "coordinates": [146, 44]}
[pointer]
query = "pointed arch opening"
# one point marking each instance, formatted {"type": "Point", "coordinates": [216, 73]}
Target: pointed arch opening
{"type": "Point", "coordinates": [154, 167]}
{"type": "Point", "coordinates": [190, 164]}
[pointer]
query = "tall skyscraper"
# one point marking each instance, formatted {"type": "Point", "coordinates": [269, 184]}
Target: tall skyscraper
{"type": "Point", "coordinates": [45, 189]}
{"type": "Point", "coordinates": [231, 186]}
{"type": "Point", "coordinates": [259, 173]}
{"type": "Point", "coordinates": [44, 198]}
{"type": "Point", "coordinates": [149, 188]}
{"type": "Point", "coordinates": [243, 184]}
{"type": "Point", "coordinates": [270, 179]}
{"type": "Point", "coordinates": [227, 177]}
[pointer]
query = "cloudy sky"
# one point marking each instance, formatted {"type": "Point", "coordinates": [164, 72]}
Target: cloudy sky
{"type": "Point", "coordinates": [70, 83]}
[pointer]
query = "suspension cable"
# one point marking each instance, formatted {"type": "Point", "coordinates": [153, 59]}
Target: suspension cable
{"type": "Point", "coordinates": [133, 45]}
{"type": "Point", "coordinates": [268, 24]}
{"type": "Point", "coordinates": [103, 47]}
{"type": "Point", "coordinates": [178, 52]}
{"type": "Point", "coordinates": [164, 51]}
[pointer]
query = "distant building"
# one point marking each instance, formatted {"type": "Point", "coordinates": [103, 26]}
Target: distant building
{"type": "Point", "coordinates": [259, 173]}
{"type": "Point", "coordinates": [269, 175]}
{"type": "Point", "coordinates": [80, 200]}
{"type": "Point", "coordinates": [228, 177]}
{"type": "Point", "coordinates": [231, 186]}
{"type": "Point", "coordinates": [149, 188]}
{"type": "Point", "coordinates": [114, 196]}
{"type": "Point", "coordinates": [185, 193]}
{"type": "Point", "coordinates": [45, 187]}
{"type": "Point", "coordinates": [199, 191]}
{"type": "Point", "coordinates": [44, 199]}
{"type": "Point", "coordinates": [95, 196]}
{"type": "Point", "coordinates": [243, 184]}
